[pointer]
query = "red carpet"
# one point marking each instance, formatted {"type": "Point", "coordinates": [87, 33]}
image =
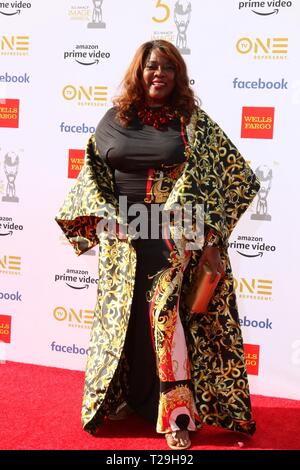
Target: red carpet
{"type": "Point", "coordinates": [40, 409]}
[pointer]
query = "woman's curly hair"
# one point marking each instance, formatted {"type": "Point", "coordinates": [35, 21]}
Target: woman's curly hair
{"type": "Point", "coordinates": [132, 96]}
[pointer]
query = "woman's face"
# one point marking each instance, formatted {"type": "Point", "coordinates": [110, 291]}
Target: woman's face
{"type": "Point", "coordinates": [158, 78]}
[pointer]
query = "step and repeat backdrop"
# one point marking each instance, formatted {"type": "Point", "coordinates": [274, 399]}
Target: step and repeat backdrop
{"type": "Point", "coordinates": [61, 63]}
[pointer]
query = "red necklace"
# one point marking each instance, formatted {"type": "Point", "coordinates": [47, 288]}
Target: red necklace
{"type": "Point", "coordinates": [156, 117]}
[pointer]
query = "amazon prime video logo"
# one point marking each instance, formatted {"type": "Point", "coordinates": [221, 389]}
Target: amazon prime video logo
{"type": "Point", "coordinates": [76, 279]}
{"type": "Point", "coordinates": [265, 8]}
{"type": "Point", "coordinates": [251, 246]}
{"type": "Point", "coordinates": [13, 8]}
{"type": "Point", "coordinates": [8, 226]}
{"type": "Point", "coordinates": [86, 54]}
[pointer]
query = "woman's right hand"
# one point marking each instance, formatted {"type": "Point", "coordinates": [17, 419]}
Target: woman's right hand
{"type": "Point", "coordinates": [211, 256]}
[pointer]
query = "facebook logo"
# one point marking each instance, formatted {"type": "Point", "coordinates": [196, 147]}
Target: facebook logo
{"type": "Point", "coordinates": [7, 78]}
{"type": "Point", "coordinates": [267, 324]}
{"type": "Point", "coordinates": [260, 84]}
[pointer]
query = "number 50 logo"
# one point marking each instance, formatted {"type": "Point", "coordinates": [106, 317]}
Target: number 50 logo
{"type": "Point", "coordinates": [166, 9]}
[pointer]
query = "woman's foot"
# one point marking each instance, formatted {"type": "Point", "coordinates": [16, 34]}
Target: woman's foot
{"type": "Point", "coordinates": [178, 440]}
{"type": "Point", "coordinates": [122, 412]}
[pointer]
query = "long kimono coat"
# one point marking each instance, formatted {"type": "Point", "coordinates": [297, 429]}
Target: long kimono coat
{"type": "Point", "coordinates": [216, 175]}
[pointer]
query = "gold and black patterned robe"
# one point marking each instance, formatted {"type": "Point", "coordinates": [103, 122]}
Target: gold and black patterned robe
{"type": "Point", "coordinates": [215, 175]}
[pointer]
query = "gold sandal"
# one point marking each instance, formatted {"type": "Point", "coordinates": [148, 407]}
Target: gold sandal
{"type": "Point", "coordinates": [178, 440]}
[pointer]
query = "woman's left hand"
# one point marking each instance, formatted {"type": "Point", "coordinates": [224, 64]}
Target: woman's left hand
{"type": "Point", "coordinates": [211, 256]}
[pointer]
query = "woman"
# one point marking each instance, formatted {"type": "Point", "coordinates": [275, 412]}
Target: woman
{"type": "Point", "coordinates": [148, 353]}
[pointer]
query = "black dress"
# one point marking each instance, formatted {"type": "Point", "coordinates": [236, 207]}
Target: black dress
{"type": "Point", "coordinates": [146, 163]}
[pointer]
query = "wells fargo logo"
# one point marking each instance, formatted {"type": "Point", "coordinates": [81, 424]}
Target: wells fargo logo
{"type": "Point", "coordinates": [264, 49]}
{"type": "Point", "coordinates": [9, 113]}
{"type": "Point", "coordinates": [257, 123]}
{"type": "Point", "coordinates": [14, 45]}
{"type": "Point", "coordinates": [256, 289]}
{"type": "Point", "coordinates": [251, 352]}
{"type": "Point", "coordinates": [75, 318]}
{"type": "Point", "coordinates": [76, 160]}
{"type": "Point", "coordinates": [86, 95]}
{"type": "Point", "coordinates": [10, 264]}
{"type": "Point", "coordinates": [5, 328]}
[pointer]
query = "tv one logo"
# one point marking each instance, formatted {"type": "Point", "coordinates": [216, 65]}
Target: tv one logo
{"type": "Point", "coordinates": [256, 289]}
{"type": "Point", "coordinates": [10, 264]}
{"type": "Point", "coordinates": [14, 45]}
{"type": "Point", "coordinates": [268, 48]}
{"type": "Point", "coordinates": [76, 318]}
{"type": "Point", "coordinates": [86, 96]}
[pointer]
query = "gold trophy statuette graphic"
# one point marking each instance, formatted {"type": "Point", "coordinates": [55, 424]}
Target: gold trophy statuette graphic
{"type": "Point", "coordinates": [11, 166]}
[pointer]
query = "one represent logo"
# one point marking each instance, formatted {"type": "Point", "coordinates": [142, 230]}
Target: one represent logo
{"type": "Point", "coordinates": [74, 318]}
{"type": "Point", "coordinates": [11, 167]}
{"type": "Point", "coordinates": [76, 279]}
{"type": "Point", "coordinates": [11, 296]}
{"type": "Point", "coordinates": [86, 95]}
{"type": "Point", "coordinates": [265, 176]}
{"type": "Point", "coordinates": [265, 8]}
{"type": "Point", "coordinates": [76, 161]}
{"type": "Point", "coordinates": [259, 84]}
{"type": "Point", "coordinates": [182, 16]}
{"type": "Point", "coordinates": [5, 328]}
{"type": "Point", "coordinates": [14, 45]}
{"type": "Point", "coordinates": [74, 349]}
{"type": "Point", "coordinates": [255, 289]}
{"type": "Point", "coordinates": [76, 128]}
{"type": "Point", "coordinates": [8, 227]}
{"type": "Point", "coordinates": [13, 8]}
{"type": "Point", "coordinates": [10, 264]}
{"type": "Point", "coordinates": [252, 352]}
{"type": "Point", "coordinates": [97, 16]}
{"type": "Point", "coordinates": [87, 54]}
{"type": "Point", "coordinates": [251, 246]}
{"type": "Point", "coordinates": [257, 123]}
{"type": "Point", "coordinates": [263, 49]}
{"type": "Point", "coordinates": [9, 113]}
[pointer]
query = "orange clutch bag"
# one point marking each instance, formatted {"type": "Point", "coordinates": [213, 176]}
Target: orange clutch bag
{"type": "Point", "coordinates": [202, 290]}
